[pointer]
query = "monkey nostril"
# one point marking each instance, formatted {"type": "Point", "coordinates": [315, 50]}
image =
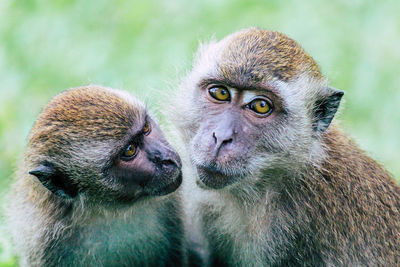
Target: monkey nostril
{"type": "Point", "coordinates": [170, 167]}
{"type": "Point", "coordinates": [168, 162]}
{"type": "Point", "coordinates": [222, 145]}
{"type": "Point", "coordinates": [225, 142]}
{"type": "Point", "coordinates": [215, 137]}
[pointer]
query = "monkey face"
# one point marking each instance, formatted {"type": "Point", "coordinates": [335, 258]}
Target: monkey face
{"type": "Point", "coordinates": [254, 103]}
{"type": "Point", "coordinates": [100, 143]}
{"type": "Point", "coordinates": [147, 165]}
{"type": "Point", "coordinates": [232, 135]}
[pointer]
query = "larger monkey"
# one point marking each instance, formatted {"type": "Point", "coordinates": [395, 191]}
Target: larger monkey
{"type": "Point", "coordinates": [277, 184]}
{"type": "Point", "coordinates": [89, 190]}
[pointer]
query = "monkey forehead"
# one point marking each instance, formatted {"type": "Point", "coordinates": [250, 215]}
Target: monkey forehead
{"type": "Point", "coordinates": [255, 56]}
{"type": "Point", "coordinates": [90, 112]}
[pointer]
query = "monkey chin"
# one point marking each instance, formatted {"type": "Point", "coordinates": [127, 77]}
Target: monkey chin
{"type": "Point", "coordinates": [211, 177]}
{"type": "Point", "coordinates": [169, 188]}
{"type": "Point", "coordinates": [160, 185]}
{"type": "Point", "coordinates": [164, 188]}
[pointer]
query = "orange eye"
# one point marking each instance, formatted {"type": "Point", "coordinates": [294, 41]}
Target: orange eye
{"type": "Point", "coordinates": [220, 93]}
{"type": "Point", "coordinates": [146, 128]}
{"type": "Point", "coordinates": [260, 106]}
{"type": "Point", "coordinates": [129, 151]}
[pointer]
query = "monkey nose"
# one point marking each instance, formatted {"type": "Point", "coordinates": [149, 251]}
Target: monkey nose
{"type": "Point", "coordinates": [171, 166]}
{"type": "Point", "coordinates": [172, 158]}
{"type": "Point", "coordinates": [222, 140]}
{"type": "Point", "coordinates": [167, 159]}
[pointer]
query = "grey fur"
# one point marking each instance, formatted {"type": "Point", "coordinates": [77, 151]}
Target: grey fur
{"type": "Point", "coordinates": [290, 198]}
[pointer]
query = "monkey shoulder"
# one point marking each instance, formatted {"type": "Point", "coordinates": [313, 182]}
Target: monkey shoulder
{"type": "Point", "coordinates": [356, 211]}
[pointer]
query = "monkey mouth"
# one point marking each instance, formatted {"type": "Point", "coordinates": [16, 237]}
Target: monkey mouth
{"type": "Point", "coordinates": [167, 187]}
{"type": "Point", "coordinates": [215, 177]}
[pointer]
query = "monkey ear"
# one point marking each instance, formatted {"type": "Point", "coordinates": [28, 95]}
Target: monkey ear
{"type": "Point", "coordinates": [54, 181]}
{"type": "Point", "coordinates": [325, 109]}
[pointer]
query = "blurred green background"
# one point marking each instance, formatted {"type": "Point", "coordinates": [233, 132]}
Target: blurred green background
{"type": "Point", "coordinates": [145, 46]}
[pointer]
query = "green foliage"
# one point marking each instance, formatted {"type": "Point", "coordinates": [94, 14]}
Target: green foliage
{"type": "Point", "coordinates": [47, 46]}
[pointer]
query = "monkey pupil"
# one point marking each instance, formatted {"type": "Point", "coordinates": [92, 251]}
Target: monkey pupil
{"type": "Point", "coordinates": [130, 150]}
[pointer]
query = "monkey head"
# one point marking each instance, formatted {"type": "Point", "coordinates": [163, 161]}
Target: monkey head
{"type": "Point", "coordinates": [254, 102]}
{"type": "Point", "coordinates": [101, 144]}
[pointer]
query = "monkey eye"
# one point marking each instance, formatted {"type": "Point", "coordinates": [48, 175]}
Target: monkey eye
{"type": "Point", "coordinates": [220, 93]}
{"type": "Point", "coordinates": [260, 106]}
{"type": "Point", "coordinates": [129, 152]}
{"type": "Point", "coordinates": [146, 128]}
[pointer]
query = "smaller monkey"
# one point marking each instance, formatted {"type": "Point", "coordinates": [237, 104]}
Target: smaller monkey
{"type": "Point", "coordinates": [95, 186]}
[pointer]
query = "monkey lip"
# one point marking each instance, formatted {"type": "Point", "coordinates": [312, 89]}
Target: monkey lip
{"type": "Point", "coordinates": [214, 177]}
{"type": "Point", "coordinates": [170, 187]}
{"type": "Point", "coordinates": [211, 169]}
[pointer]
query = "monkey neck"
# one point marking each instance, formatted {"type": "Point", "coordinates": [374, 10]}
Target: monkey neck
{"type": "Point", "coordinates": [81, 211]}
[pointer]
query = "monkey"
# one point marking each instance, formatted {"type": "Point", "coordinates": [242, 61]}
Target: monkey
{"type": "Point", "coordinates": [272, 180]}
{"type": "Point", "coordinates": [96, 186]}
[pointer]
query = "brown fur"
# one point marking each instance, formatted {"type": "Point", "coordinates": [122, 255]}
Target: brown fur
{"type": "Point", "coordinates": [58, 133]}
{"type": "Point", "coordinates": [358, 204]}
{"type": "Point", "coordinates": [260, 55]}
{"type": "Point", "coordinates": [88, 108]}
{"type": "Point", "coordinates": [347, 212]}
